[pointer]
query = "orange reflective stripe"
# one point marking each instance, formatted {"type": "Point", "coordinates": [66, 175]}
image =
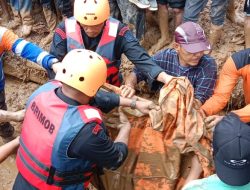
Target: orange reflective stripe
{"type": "Point", "coordinates": [8, 39]}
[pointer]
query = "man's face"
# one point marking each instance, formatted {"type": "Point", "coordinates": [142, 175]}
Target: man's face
{"type": "Point", "coordinates": [93, 31]}
{"type": "Point", "coordinates": [187, 58]}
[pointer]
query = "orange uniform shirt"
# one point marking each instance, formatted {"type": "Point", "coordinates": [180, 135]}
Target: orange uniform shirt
{"type": "Point", "coordinates": [238, 65]}
{"type": "Point", "coordinates": [7, 39]}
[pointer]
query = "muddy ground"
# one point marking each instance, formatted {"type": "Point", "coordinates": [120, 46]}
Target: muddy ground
{"type": "Point", "coordinates": [19, 86]}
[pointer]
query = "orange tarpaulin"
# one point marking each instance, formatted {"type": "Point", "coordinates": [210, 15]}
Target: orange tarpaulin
{"type": "Point", "coordinates": [159, 144]}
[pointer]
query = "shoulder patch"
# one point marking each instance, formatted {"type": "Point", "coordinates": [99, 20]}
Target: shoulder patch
{"type": "Point", "coordinates": [113, 29]}
{"type": "Point", "coordinates": [61, 33]}
{"type": "Point", "coordinates": [123, 30]}
{"type": "Point", "coordinates": [70, 25]}
{"type": "Point", "coordinates": [92, 113]}
{"type": "Point", "coordinates": [96, 129]}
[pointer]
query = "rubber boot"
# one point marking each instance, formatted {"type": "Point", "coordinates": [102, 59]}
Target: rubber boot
{"type": "Point", "coordinates": [16, 21]}
{"type": "Point", "coordinates": [51, 20]}
{"type": "Point", "coordinates": [215, 34]}
{"type": "Point", "coordinates": [247, 31]}
{"type": "Point", "coordinates": [27, 22]}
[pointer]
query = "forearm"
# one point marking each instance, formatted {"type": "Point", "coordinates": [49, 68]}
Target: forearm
{"type": "Point", "coordinates": [131, 80]}
{"type": "Point", "coordinates": [125, 102]}
{"type": "Point", "coordinates": [7, 116]}
{"type": "Point", "coordinates": [227, 80]}
{"type": "Point", "coordinates": [215, 103]}
{"type": "Point", "coordinates": [195, 170]}
{"type": "Point", "coordinates": [123, 134]}
{"type": "Point", "coordinates": [34, 53]}
{"type": "Point", "coordinates": [8, 149]}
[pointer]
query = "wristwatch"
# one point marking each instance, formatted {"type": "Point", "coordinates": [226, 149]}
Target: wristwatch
{"type": "Point", "coordinates": [133, 104]}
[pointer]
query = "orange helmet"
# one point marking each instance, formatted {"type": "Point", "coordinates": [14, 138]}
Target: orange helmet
{"type": "Point", "coordinates": [83, 70]}
{"type": "Point", "coordinates": [91, 12]}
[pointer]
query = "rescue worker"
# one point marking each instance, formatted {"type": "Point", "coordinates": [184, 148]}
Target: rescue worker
{"type": "Point", "coordinates": [11, 42]}
{"type": "Point", "coordinates": [237, 66]}
{"type": "Point", "coordinates": [92, 28]}
{"type": "Point", "coordinates": [64, 140]}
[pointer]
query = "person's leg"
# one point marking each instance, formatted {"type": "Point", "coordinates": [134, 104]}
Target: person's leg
{"type": "Point", "coordinates": [232, 13]}
{"type": "Point", "coordinates": [17, 18]}
{"type": "Point", "coordinates": [178, 8]}
{"type": "Point", "coordinates": [6, 129]}
{"type": "Point", "coordinates": [25, 12]}
{"type": "Point", "coordinates": [51, 20]}
{"type": "Point", "coordinates": [164, 27]}
{"type": "Point", "coordinates": [65, 8]}
{"type": "Point", "coordinates": [133, 17]}
{"type": "Point", "coordinates": [114, 10]}
{"type": "Point", "coordinates": [217, 13]}
{"type": "Point", "coordinates": [247, 23]}
{"type": "Point", "coordinates": [192, 10]}
{"type": "Point", "coordinates": [195, 170]}
{"type": "Point", "coordinates": [6, 14]}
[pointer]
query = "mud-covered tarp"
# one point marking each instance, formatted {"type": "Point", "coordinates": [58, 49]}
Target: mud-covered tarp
{"type": "Point", "coordinates": [160, 145]}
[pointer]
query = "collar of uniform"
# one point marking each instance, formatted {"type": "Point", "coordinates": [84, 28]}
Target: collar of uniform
{"type": "Point", "coordinates": [66, 99]}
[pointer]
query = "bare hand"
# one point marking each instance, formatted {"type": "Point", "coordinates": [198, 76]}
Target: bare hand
{"type": "Point", "coordinates": [164, 78]}
{"type": "Point", "coordinates": [127, 91]}
{"type": "Point", "coordinates": [212, 120]}
{"type": "Point", "coordinates": [146, 106]}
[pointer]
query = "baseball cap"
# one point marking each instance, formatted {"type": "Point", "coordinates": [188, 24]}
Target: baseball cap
{"type": "Point", "coordinates": [231, 144]}
{"type": "Point", "coordinates": [191, 37]}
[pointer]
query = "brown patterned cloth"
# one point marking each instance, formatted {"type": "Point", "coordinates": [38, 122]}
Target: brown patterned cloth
{"type": "Point", "coordinates": [160, 146]}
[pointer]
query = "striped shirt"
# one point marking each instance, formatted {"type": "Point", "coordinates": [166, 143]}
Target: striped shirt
{"type": "Point", "coordinates": [202, 77]}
